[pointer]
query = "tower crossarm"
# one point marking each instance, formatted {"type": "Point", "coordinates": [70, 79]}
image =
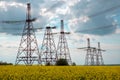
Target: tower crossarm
{"type": "Point", "coordinates": [86, 48]}
{"type": "Point", "coordinates": [99, 47]}
{"type": "Point", "coordinates": [49, 27]}
{"type": "Point", "coordinates": [101, 50]}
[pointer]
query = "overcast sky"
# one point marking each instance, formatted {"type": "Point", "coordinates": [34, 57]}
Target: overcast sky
{"type": "Point", "coordinates": [98, 20]}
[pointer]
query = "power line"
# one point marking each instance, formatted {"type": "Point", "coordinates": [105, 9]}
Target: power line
{"type": "Point", "coordinates": [105, 11]}
{"type": "Point", "coordinates": [16, 21]}
{"type": "Point", "coordinates": [93, 15]}
{"type": "Point", "coordinates": [20, 28]}
{"type": "Point", "coordinates": [97, 28]}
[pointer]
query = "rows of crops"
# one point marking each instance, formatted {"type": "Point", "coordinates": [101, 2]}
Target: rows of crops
{"type": "Point", "coordinates": [59, 72]}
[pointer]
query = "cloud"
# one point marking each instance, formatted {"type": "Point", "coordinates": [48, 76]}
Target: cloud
{"type": "Point", "coordinates": [83, 16]}
{"type": "Point", "coordinates": [15, 10]}
{"type": "Point", "coordinates": [86, 20]}
{"type": "Point", "coordinates": [0, 45]}
{"type": "Point", "coordinates": [118, 31]}
{"type": "Point", "coordinates": [54, 5]}
{"type": "Point", "coordinates": [9, 41]}
{"type": "Point", "coordinates": [11, 11]}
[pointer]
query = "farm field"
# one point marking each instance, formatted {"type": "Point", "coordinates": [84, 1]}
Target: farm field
{"type": "Point", "coordinates": [59, 72]}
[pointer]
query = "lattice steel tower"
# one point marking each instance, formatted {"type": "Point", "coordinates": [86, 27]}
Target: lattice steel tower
{"type": "Point", "coordinates": [89, 59]}
{"type": "Point", "coordinates": [28, 49]}
{"type": "Point", "coordinates": [99, 58]}
{"type": "Point", "coordinates": [62, 48]}
{"type": "Point", "coordinates": [48, 50]}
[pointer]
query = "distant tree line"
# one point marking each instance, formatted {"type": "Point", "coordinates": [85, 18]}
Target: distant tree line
{"type": "Point", "coordinates": [5, 63]}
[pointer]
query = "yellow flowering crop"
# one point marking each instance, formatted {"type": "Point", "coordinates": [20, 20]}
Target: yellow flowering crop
{"type": "Point", "coordinates": [59, 72]}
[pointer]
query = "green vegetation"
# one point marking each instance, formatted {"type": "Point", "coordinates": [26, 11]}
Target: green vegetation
{"type": "Point", "coordinates": [73, 64]}
{"type": "Point", "coordinates": [5, 63]}
{"type": "Point", "coordinates": [48, 64]}
{"type": "Point", "coordinates": [62, 62]}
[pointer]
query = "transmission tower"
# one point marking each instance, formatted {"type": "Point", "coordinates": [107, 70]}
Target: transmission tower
{"type": "Point", "coordinates": [89, 59]}
{"type": "Point", "coordinates": [28, 51]}
{"type": "Point", "coordinates": [99, 58]}
{"type": "Point", "coordinates": [48, 50]}
{"type": "Point", "coordinates": [62, 48]}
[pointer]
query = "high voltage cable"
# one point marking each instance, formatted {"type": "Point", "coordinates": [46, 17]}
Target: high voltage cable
{"type": "Point", "coordinates": [97, 28]}
{"type": "Point", "coordinates": [105, 11]}
{"type": "Point", "coordinates": [91, 29]}
{"type": "Point", "coordinates": [99, 13]}
{"type": "Point", "coordinates": [93, 15]}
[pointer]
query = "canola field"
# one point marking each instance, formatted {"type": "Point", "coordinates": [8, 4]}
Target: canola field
{"type": "Point", "coordinates": [59, 72]}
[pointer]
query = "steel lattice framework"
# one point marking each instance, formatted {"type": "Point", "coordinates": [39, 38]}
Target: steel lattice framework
{"type": "Point", "coordinates": [28, 51]}
{"type": "Point", "coordinates": [62, 48]}
{"type": "Point", "coordinates": [93, 55]}
{"type": "Point", "coordinates": [91, 51]}
{"type": "Point", "coordinates": [48, 50]}
{"type": "Point", "coordinates": [89, 60]}
{"type": "Point", "coordinates": [99, 58]}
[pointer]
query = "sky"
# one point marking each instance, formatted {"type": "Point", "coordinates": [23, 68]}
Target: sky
{"type": "Point", "coordinates": [98, 20]}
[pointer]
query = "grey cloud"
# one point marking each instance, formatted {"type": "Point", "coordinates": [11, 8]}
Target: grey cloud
{"type": "Point", "coordinates": [0, 45]}
{"type": "Point", "coordinates": [96, 20]}
{"type": "Point", "coordinates": [12, 14]}
{"type": "Point", "coordinates": [55, 5]}
{"type": "Point", "coordinates": [19, 13]}
{"type": "Point", "coordinates": [82, 8]}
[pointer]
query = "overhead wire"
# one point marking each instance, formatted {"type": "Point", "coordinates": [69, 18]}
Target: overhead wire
{"type": "Point", "coordinates": [97, 28]}
{"type": "Point", "coordinates": [100, 13]}
{"type": "Point", "coordinates": [93, 15]}
{"type": "Point", "coordinates": [104, 11]}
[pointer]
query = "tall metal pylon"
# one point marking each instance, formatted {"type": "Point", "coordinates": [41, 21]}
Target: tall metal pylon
{"type": "Point", "coordinates": [62, 48]}
{"type": "Point", "coordinates": [99, 58]}
{"type": "Point", "coordinates": [28, 51]}
{"type": "Point", "coordinates": [89, 59]}
{"type": "Point", "coordinates": [48, 50]}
